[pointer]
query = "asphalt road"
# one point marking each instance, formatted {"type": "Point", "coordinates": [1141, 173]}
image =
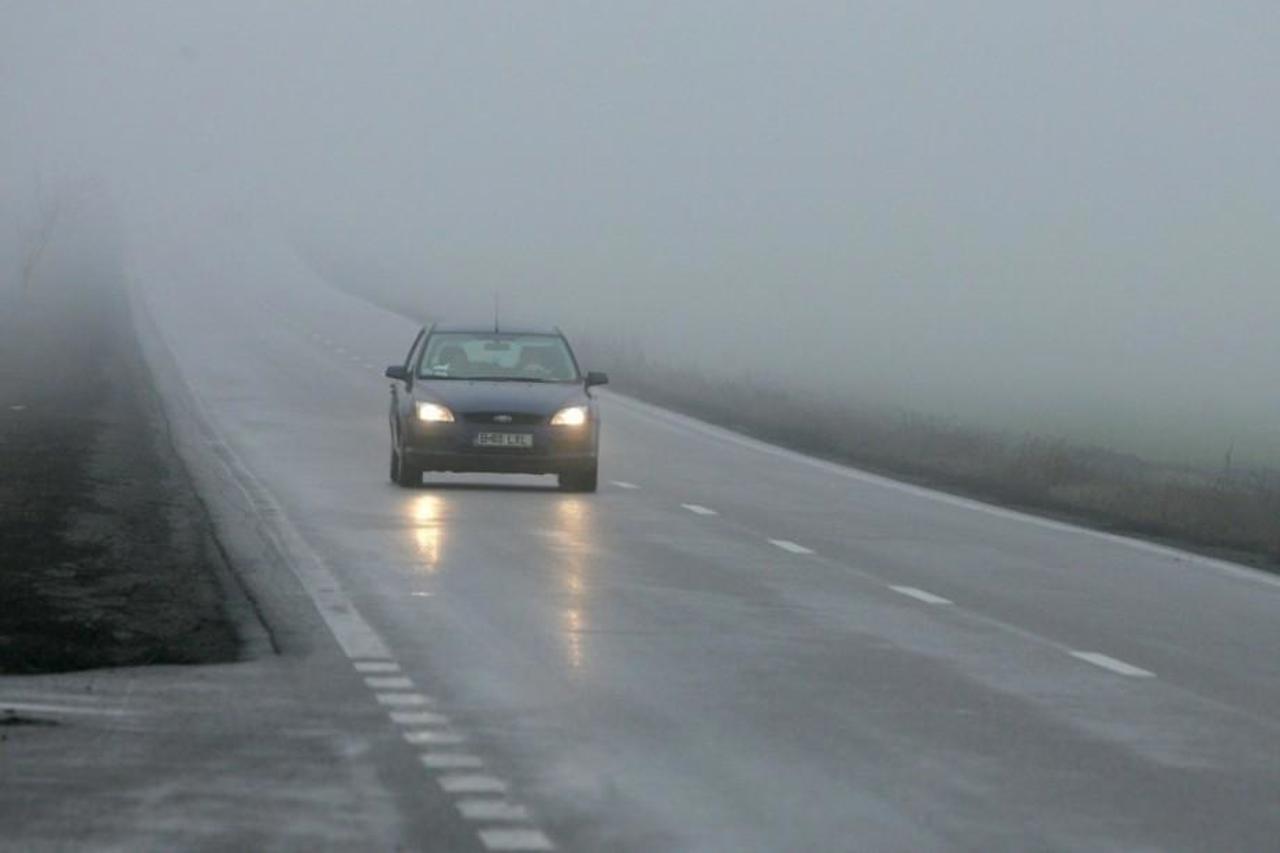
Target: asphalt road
{"type": "Point", "coordinates": [733, 647]}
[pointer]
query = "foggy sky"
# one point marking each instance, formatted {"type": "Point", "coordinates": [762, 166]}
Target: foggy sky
{"type": "Point", "coordinates": [1062, 216]}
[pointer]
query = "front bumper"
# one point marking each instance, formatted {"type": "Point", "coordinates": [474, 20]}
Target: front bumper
{"type": "Point", "coordinates": [452, 447]}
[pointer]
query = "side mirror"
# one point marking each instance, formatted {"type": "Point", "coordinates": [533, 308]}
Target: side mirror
{"type": "Point", "coordinates": [595, 377]}
{"type": "Point", "coordinates": [398, 372]}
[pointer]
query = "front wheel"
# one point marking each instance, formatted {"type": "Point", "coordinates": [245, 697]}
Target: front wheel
{"type": "Point", "coordinates": [403, 472]}
{"type": "Point", "coordinates": [584, 480]}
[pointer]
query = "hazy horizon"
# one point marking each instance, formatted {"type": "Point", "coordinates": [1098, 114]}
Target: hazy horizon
{"type": "Point", "coordinates": [1059, 217]}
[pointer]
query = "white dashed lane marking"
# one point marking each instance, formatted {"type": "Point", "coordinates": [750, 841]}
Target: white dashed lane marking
{"type": "Point", "coordinates": [434, 737]}
{"type": "Point", "coordinates": [696, 509]}
{"type": "Point", "coordinates": [486, 809]}
{"type": "Point", "coordinates": [623, 484]}
{"type": "Point", "coordinates": [376, 666]}
{"type": "Point", "coordinates": [1110, 663]}
{"type": "Point", "coordinates": [451, 761]}
{"type": "Point", "coordinates": [402, 700]}
{"type": "Point", "coordinates": [515, 839]}
{"type": "Point", "coordinates": [471, 783]}
{"type": "Point", "coordinates": [384, 682]}
{"type": "Point", "coordinates": [418, 718]}
{"type": "Point", "coordinates": [792, 547]}
{"type": "Point", "coordinates": [920, 595]}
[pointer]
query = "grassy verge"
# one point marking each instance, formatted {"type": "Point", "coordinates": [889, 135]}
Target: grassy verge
{"type": "Point", "coordinates": [1230, 513]}
{"type": "Point", "coordinates": [106, 558]}
{"type": "Point", "coordinates": [1233, 514]}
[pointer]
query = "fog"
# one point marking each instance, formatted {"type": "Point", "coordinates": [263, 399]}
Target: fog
{"type": "Point", "coordinates": [1062, 216]}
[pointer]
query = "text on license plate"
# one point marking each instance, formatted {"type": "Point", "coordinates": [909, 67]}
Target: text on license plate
{"type": "Point", "coordinates": [504, 439]}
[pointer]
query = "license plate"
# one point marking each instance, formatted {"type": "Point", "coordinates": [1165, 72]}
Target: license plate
{"type": "Point", "coordinates": [504, 439]}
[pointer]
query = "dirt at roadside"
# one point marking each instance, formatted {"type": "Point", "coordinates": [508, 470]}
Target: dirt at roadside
{"type": "Point", "coordinates": [106, 556]}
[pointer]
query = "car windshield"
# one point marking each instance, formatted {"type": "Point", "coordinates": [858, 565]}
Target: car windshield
{"type": "Point", "coordinates": [496, 356]}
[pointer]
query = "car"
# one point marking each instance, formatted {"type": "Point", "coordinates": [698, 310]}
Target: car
{"type": "Point", "coordinates": [487, 400]}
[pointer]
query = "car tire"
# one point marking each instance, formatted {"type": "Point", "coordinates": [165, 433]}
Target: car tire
{"type": "Point", "coordinates": [584, 480]}
{"type": "Point", "coordinates": [404, 473]}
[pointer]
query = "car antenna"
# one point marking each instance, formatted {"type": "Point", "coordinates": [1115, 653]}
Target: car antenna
{"type": "Point", "coordinates": [495, 312]}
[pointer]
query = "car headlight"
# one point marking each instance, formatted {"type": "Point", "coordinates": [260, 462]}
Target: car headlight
{"type": "Point", "coordinates": [570, 416]}
{"type": "Point", "coordinates": [434, 413]}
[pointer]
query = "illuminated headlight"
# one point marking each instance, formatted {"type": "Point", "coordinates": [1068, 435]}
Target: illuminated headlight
{"type": "Point", "coordinates": [434, 413]}
{"type": "Point", "coordinates": [572, 416]}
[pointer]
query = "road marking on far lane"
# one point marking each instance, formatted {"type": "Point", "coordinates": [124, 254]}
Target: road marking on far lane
{"type": "Point", "coordinates": [486, 809]}
{"type": "Point", "coordinates": [515, 839]}
{"type": "Point", "coordinates": [376, 666]}
{"type": "Point", "coordinates": [392, 682]}
{"type": "Point", "coordinates": [433, 737]}
{"type": "Point", "coordinates": [471, 783]}
{"type": "Point", "coordinates": [696, 509]}
{"type": "Point", "coordinates": [451, 761]}
{"type": "Point", "coordinates": [1117, 666]}
{"type": "Point", "coordinates": [788, 545]}
{"type": "Point", "coordinates": [418, 718]}
{"type": "Point", "coordinates": [402, 700]}
{"type": "Point", "coordinates": [921, 595]}
{"type": "Point", "coordinates": [623, 484]}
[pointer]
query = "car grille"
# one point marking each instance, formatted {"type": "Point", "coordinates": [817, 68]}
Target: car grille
{"type": "Point", "coordinates": [516, 419]}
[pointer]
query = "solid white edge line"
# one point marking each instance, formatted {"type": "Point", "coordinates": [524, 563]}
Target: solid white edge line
{"type": "Point", "coordinates": [676, 420]}
{"type": "Point", "coordinates": [698, 509]}
{"type": "Point", "coordinates": [920, 595]}
{"type": "Point", "coordinates": [792, 547]}
{"type": "Point", "coordinates": [37, 707]}
{"type": "Point", "coordinates": [358, 640]}
{"type": "Point", "coordinates": [1110, 663]}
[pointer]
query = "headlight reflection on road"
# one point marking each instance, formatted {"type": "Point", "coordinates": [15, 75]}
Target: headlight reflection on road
{"type": "Point", "coordinates": [573, 633]}
{"type": "Point", "coordinates": [574, 516]}
{"type": "Point", "coordinates": [427, 516]}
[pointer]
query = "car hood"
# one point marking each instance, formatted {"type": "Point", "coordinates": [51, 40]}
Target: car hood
{"type": "Point", "coordinates": [462, 397]}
